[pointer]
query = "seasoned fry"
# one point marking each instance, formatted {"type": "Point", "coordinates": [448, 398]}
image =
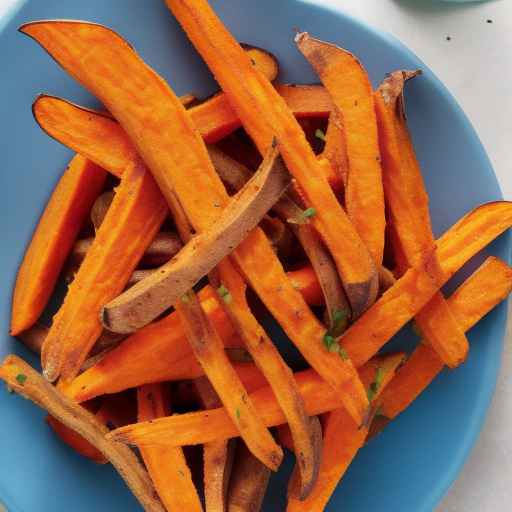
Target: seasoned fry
{"type": "Point", "coordinates": [22, 379]}
{"type": "Point", "coordinates": [234, 175]}
{"type": "Point", "coordinates": [343, 438]}
{"type": "Point", "coordinates": [217, 456]}
{"type": "Point", "coordinates": [209, 350]}
{"type": "Point", "coordinates": [272, 366]}
{"type": "Point", "coordinates": [133, 220]}
{"type": "Point", "coordinates": [412, 291]}
{"type": "Point", "coordinates": [182, 168]}
{"type": "Point", "coordinates": [147, 299]}
{"type": "Point", "coordinates": [407, 202]}
{"type": "Point", "coordinates": [205, 426]}
{"type": "Point", "coordinates": [167, 466]}
{"type": "Point", "coordinates": [482, 291]}
{"type": "Point", "coordinates": [264, 115]}
{"type": "Point", "coordinates": [351, 91]}
{"type": "Point", "coordinates": [248, 483]}
{"type": "Point", "coordinates": [52, 240]}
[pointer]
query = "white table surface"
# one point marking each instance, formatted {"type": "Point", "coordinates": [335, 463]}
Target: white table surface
{"type": "Point", "coordinates": [476, 65]}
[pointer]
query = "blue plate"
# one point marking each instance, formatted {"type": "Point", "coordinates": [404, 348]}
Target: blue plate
{"type": "Point", "coordinates": [413, 463]}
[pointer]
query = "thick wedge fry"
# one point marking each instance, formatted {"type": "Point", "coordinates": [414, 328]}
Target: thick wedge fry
{"type": "Point", "coordinates": [205, 426]}
{"type": "Point", "coordinates": [412, 291]}
{"type": "Point", "coordinates": [133, 220]}
{"type": "Point", "coordinates": [53, 239]}
{"type": "Point", "coordinates": [152, 296]}
{"type": "Point", "coordinates": [24, 380]}
{"type": "Point", "coordinates": [407, 202]}
{"type": "Point", "coordinates": [209, 350]}
{"type": "Point", "coordinates": [347, 82]}
{"type": "Point", "coordinates": [264, 115]}
{"type": "Point", "coordinates": [167, 467]}
{"type": "Point", "coordinates": [343, 438]}
{"type": "Point", "coordinates": [183, 169]}
{"type": "Point", "coordinates": [482, 291]}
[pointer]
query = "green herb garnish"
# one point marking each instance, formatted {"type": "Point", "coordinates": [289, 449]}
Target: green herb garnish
{"type": "Point", "coordinates": [237, 412]}
{"type": "Point", "coordinates": [343, 354]}
{"type": "Point", "coordinates": [21, 378]}
{"type": "Point", "coordinates": [303, 217]}
{"type": "Point", "coordinates": [319, 134]}
{"type": "Point", "coordinates": [339, 322]}
{"type": "Point", "coordinates": [224, 294]}
{"type": "Point", "coordinates": [329, 340]}
{"type": "Point", "coordinates": [376, 384]}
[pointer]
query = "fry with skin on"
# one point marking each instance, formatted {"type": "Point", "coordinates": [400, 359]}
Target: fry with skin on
{"type": "Point", "coordinates": [248, 482]}
{"type": "Point", "coordinates": [133, 219]}
{"type": "Point", "coordinates": [144, 301]}
{"type": "Point", "coordinates": [462, 241]}
{"type": "Point", "coordinates": [209, 350]}
{"type": "Point", "coordinates": [482, 291]}
{"type": "Point", "coordinates": [182, 168]}
{"type": "Point", "coordinates": [264, 114]}
{"type": "Point", "coordinates": [53, 238]}
{"type": "Point", "coordinates": [407, 202]}
{"type": "Point", "coordinates": [160, 351]}
{"type": "Point", "coordinates": [24, 380]}
{"type": "Point", "coordinates": [205, 426]}
{"type": "Point", "coordinates": [167, 466]}
{"type": "Point", "coordinates": [347, 82]}
{"type": "Point", "coordinates": [217, 455]}
{"type": "Point", "coordinates": [343, 438]}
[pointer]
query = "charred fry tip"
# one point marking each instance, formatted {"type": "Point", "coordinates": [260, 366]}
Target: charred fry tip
{"type": "Point", "coordinates": [300, 36]}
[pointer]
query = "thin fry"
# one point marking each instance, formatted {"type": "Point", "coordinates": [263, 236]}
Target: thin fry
{"type": "Point", "coordinates": [209, 350]}
{"type": "Point", "coordinates": [22, 379]}
{"type": "Point", "coordinates": [52, 240]}
{"type": "Point", "coordinates": [407, 202]}
{"type": "Point", "coordinates": [167, 466]}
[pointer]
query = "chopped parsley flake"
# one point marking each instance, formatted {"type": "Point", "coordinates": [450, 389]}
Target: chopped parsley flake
{"type": "Point", "coordinates": [237, 412]}
{"type": "Point", "coordinates": [224, 294]}
{"type": "Point", "coordinates": [343, 354]}
{"type": "Point", "coordinates": [21, 378]}
{"type": "Point", "coordinates": [376, 384]}
{"type": "Point", "coordinates": [319, 134]}
{"type": "Point", "coordinates": [303, 217]}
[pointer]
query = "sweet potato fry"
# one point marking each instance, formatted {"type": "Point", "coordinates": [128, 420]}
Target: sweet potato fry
{"type": "Point", "coordinates": [264, 115]}
{"type": "Point", "coordinates": [272, 366]}
{"type": "Point", "coordinates": [209, 350]}
{"type": "Point", "coordinates": [204, 426]}
{"type": "Point", "coordinates": [412, 291]}
{"type": "Point", "coordinates": [234, 175]}
{"type": "Point", "coordinates": [23, 379]}
{"type": "Point", "coordinates": [335, 149]}
{"type": "Point", "coordinates": [53, 239]}
{"type": "Point", "coordinates": [149, 298]}
{"type": "Point", "coordinates": [248, 483]}
{"type": "Point", "coordinates": [262, 60]}
{"type": "Point", "coordinates": [343, 438]}
{"type": "Point", "coordinates": [167, 466]}
{"type": "Point", "coordinates": [164, 246]}
{"type": "Point", "coordinates": [407, 202]}
{"type": "Point", "coordinates": [133, 220]}
{"type": "Point", "coordinates": [482, 291]}
{"type": "Point", "coordinates": [182, 168]}
{"type": "Point", "coordinates": [347, 82]}
{"type": "Point", "coordinates": [217, 455]}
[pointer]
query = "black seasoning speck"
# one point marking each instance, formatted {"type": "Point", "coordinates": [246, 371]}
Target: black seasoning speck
{"type": "Point", "coordinates": [489, 21]}
{"type": "Point", "coordinates": [448, 38]}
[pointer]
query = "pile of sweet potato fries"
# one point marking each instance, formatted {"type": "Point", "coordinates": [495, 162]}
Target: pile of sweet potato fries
{"type": "Point", "coordinates": [309, 196]}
